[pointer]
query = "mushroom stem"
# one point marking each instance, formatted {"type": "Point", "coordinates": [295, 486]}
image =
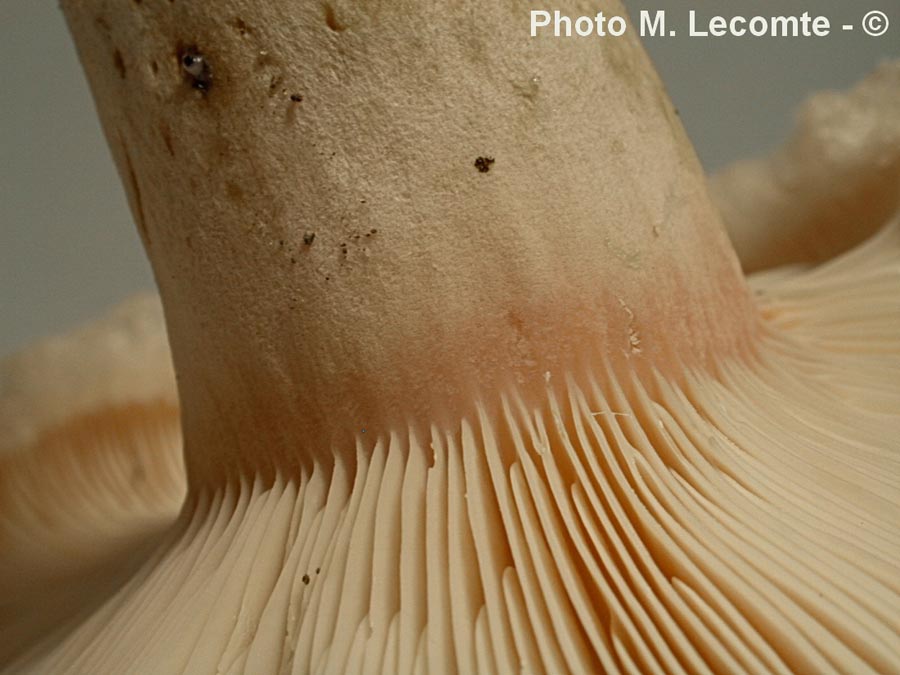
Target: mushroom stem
{"type": "Point", "coordinates": [369, 217]}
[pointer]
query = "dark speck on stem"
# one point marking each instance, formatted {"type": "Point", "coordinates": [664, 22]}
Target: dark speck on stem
{"type": "Point", "coordinates": [120, 63]}
{"type": "Point", "coordinates": [483, 164]}
{"type": "Point", "coordinates": [196, 68]}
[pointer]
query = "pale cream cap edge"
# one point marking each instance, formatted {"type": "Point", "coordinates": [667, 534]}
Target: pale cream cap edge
{"type": "Point", "coordinates": [119, 359]}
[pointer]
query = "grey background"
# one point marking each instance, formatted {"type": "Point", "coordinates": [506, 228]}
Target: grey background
{"type": "Point", "coordinates": [68, 247]}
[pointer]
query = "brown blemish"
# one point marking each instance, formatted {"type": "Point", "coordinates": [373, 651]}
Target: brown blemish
{"type": "Point", "coordinates": [264, 59]}
{"type": "Point", "coordinates": [240, 26]}
{"type": "Point", "coordinates": [309, 238]}
{"type": "Point", "coordinates": [234, 192]}
{"type": "Point", "coordinates": [166, 134]}
{"type": "Point", "coordinates": [154, 67]}
{"type": "Point", "coordinates": [274, 82]}
{"type": "Point", "coordinates": [119, 63]}
{"type": "Point", "coordinates": [483, 164]}
{"type": "Point", "coordinates": [529, 89]}
{"type": "Point", "coordinates": [103, 25]}
{"type": "Point", "coordinates": [305, 579]}
{"type": "Point", "coordinates": [331, 20]}
{"type": "Point", "coordinates": [516, 321]}
{"type": "Point", "coordinates": [220, 147]}
{"type": "Point", "coordinates": [296, 98]}
{"type": "Point", "coordinates": [136, 198]}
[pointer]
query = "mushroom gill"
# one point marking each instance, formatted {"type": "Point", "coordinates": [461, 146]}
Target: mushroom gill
{"type": "Point", "coordinates": [470, 379]}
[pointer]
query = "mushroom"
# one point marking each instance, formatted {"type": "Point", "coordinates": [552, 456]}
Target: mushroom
{"type": "Point", "coordinates": [470, 377]}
